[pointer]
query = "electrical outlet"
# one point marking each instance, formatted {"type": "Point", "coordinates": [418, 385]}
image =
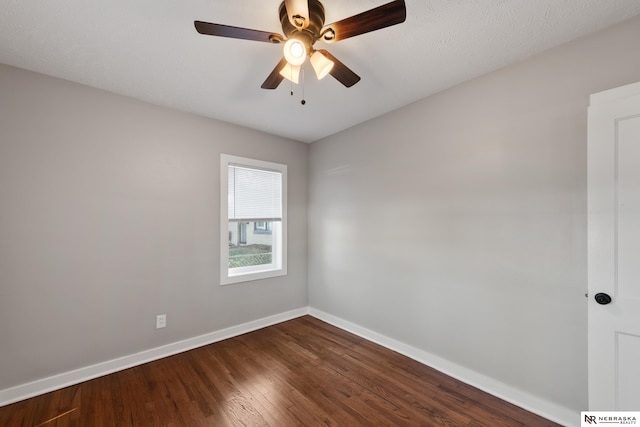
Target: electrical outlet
{"type": "Point", "coordinates": [161, 321]}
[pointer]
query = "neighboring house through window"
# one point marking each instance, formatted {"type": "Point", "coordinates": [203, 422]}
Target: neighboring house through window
{"type": "Point", "coordinates": [262, 227]}
{"type": "Point", "coordinates": [253, 216]}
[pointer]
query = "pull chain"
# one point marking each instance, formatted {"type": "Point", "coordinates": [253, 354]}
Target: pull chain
{"type": "Point", "coordinates": [291, 80]}
{"type": "Point", "coordinates": [303, 102]}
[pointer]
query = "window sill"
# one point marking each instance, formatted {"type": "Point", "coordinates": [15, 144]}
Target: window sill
{"type": "Point", "coordinates": [249, 277]}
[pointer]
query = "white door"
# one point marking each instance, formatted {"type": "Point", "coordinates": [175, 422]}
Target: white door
{"type": "Point", "coordinates": [614, 249]}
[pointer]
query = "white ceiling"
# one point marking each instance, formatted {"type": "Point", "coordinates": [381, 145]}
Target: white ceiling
{"type": "Point", "coordinates": [149, 49]}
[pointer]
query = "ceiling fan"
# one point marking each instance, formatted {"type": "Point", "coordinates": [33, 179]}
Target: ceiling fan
{"type": "Point", "coordinates": [303, 25]}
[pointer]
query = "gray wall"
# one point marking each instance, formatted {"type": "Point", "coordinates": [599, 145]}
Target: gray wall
{"type": "Point", "coordinates": [458, 224]}
{"type": "Point", "coordinates": [109, 215]}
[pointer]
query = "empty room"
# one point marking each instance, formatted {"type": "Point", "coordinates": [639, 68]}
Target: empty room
{"type": "Point", "coordinates": [304, 212]}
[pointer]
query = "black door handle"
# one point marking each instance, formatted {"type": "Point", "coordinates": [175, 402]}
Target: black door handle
{"type": "Point", "coordinates": [602, 298]}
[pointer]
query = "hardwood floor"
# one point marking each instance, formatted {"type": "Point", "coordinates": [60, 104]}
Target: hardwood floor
{"type": "Point", "coordinates": [303, 372]}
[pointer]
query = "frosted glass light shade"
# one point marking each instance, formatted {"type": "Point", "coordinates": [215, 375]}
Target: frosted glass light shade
{"type": "Point", "coordinates": [291, 72]}
{"type": "Point", "coordinates": [295, 52]}
{"type": "Point", "coordinates": [321, 64]}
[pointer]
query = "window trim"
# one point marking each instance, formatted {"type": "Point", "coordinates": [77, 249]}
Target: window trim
{"type": "Point", "coordinates": [280, 245]}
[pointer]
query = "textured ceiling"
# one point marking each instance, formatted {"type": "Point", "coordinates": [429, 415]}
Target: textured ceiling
{"type": "Point", "coordinates": [149, 49]}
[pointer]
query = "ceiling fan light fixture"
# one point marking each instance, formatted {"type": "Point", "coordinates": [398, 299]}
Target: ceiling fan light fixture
{"type": "Point", "coordinates": [321, 64]}
{"type": "Point", "coordinates": [291, 72]}
{"type": "Point", "coordinates": [303, 24]}
{"type": "Point", "coordinates": [295, 52]}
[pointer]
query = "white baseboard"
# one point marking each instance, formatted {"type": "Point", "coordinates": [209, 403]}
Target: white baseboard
{"type": "Point", "coordinates": [56, 382]}
{"type": "Point", "coordinates": [537, 405]}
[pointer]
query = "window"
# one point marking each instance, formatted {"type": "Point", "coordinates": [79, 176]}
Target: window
{"type": "Point", "coordinates": [253, 216]}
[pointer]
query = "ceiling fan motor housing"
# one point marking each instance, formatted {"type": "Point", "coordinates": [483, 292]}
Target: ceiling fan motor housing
{"type": "Point", "coordinates": [310, 34]}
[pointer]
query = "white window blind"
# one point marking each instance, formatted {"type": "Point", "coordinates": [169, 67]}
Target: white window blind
{"type": "Point", "coordinates": [254, 194]}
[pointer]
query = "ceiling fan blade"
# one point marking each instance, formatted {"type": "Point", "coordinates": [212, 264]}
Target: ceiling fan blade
{"type": "Point", "coordinates": [220, 30]}
{"type": "Point", "coordinates": [275, 78]}
{"type": "Point", "coordinates": [341, 72]}
{"type": "Point", "coordinates": [298, 12]}
{"type": "Point", "coordinates": [380, 17]}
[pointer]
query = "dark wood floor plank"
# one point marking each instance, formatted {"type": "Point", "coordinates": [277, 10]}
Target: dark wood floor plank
{"type": "Point", "coordinates": [370, 376]}
{"type": "Point", "coordinates": [267, 392]}
{"type": "Point", "coordinates": [304, 372]}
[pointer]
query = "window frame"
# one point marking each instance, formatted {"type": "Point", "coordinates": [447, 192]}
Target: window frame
{"type": "Point", "coordinates": [278, 267]}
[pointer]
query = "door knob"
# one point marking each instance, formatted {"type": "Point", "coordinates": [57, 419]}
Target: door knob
{"type": "Point", "coordinates": [602, 298]}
